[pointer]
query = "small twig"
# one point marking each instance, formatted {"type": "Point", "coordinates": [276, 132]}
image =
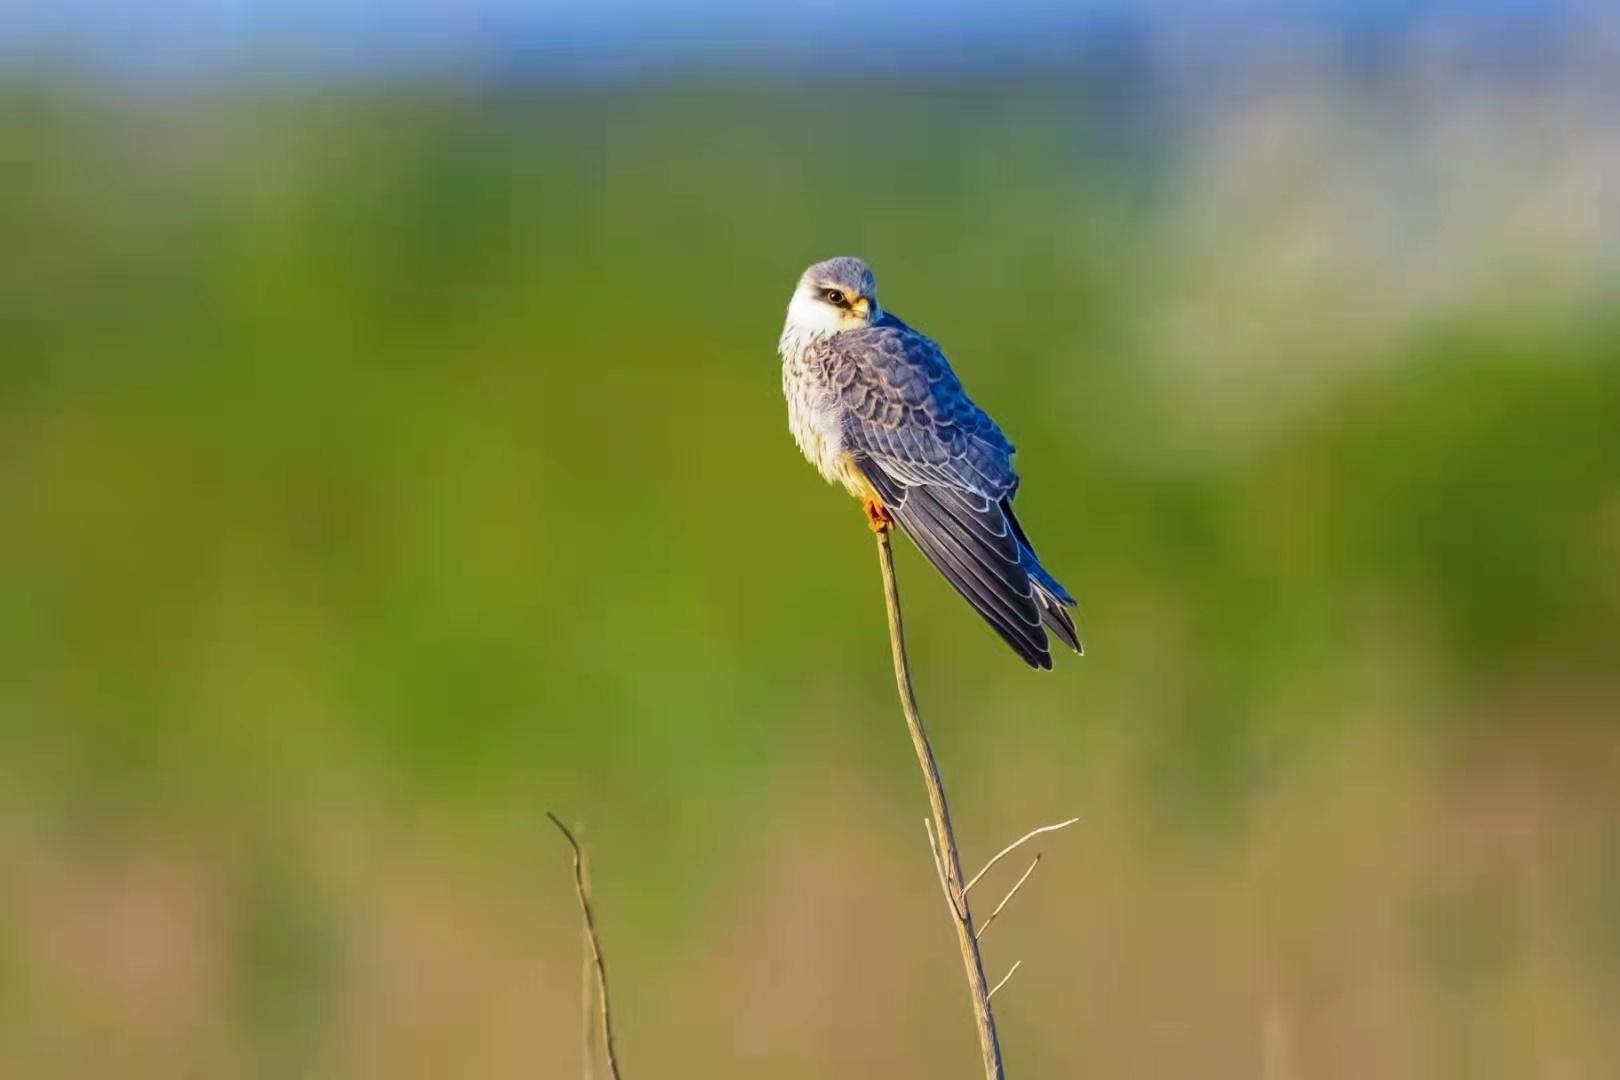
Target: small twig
{"type": "Point", "coordinates": [1014, 846]}
{"type": "Point", "coordinates": [988, 923]}
{"type": "Point", "coordinates": [583, 890]}
{"type": "Point", "coordinates": [1016, 965]}
{"type": "Point", "coordinates": [939, 867]}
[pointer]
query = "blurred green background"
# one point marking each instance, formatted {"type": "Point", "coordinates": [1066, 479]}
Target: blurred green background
{"type": "Point", "coordinates": [383, 465]}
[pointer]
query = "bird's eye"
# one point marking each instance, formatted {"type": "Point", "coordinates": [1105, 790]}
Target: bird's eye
{"type": "Point", "coordinates": [833, 297]}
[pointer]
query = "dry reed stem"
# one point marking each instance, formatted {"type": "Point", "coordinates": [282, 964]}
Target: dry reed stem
{"type": "Point", "coordinates": [587, 979]}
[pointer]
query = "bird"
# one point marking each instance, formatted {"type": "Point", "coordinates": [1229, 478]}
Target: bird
{"type": "Point", "coordinates": [875, 406]}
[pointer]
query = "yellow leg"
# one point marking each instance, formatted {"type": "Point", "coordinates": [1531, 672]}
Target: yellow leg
{"type": "Point", "coordinates": [877, 517]}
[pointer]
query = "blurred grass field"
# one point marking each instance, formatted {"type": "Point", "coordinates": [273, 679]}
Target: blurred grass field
{"type": "Point", "coordinates": [382, 467]}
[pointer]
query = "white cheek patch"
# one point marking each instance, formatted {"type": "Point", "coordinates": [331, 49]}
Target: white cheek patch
{"type": "Point", "coordinates": [810, 315]}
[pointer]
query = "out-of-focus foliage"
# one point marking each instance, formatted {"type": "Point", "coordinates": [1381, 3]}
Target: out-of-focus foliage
{"type": "Point", "coordinates": [424, 448]}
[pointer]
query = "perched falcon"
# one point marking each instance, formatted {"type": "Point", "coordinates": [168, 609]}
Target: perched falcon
{"type": "Point", "coordinates": [875, 406]}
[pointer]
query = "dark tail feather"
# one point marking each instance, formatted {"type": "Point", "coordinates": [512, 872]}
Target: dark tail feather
{"type": "Point", "coordinates": [1054, 599]}
{"type": "Point", "coordinates": [966, 553]}
{"type": "Point", "coordinates": [1058, 620]}
{"type": "Point", "coordinates": [978, 547]}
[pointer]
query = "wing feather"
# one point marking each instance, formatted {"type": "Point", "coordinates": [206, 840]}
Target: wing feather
{"type": "Point", "coordinates": [978, 579]}
{"type": "Point", "coordinates": [904, 406]}
{"type": "Point", "coordinates": [943, 469]}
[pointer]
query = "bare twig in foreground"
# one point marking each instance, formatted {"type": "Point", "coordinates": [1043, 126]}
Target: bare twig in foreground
{"type": "Point", "coordinates": [584, 893]}
{"type": "Point", "coordinates": [961, 917]}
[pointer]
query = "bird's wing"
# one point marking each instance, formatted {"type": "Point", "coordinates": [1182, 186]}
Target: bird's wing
{"type": "Point", "coordinates": [943, 470]}
{"type": "Point", "coordinates": [905, 409]}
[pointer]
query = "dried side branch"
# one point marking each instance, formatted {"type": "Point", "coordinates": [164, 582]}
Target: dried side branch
{"type": "Point", "coordinates": [988, 923]}
{"type": "Point", "coordinates": [939, 867]}
{"type": "Point", "coordinates": [1005, 978]}
{"type": "Point", "coordinates": [582, 889]}
{"type": "Point", "coordinates": [1015, 845]}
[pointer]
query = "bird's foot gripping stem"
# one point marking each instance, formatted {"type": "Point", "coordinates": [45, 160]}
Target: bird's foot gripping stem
{"type": "Point", "coordinates": [877, 517]}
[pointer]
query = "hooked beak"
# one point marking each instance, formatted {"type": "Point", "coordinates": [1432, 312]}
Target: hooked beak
{"type": "Point", "coordinates": [861, 306]}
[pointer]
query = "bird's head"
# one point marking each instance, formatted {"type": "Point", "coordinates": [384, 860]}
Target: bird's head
{"type": "Point", "coordinates": [832, 296]}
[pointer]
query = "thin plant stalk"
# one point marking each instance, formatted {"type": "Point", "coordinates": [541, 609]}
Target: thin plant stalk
{"type": "Point", "coordinates": [950, 860]}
